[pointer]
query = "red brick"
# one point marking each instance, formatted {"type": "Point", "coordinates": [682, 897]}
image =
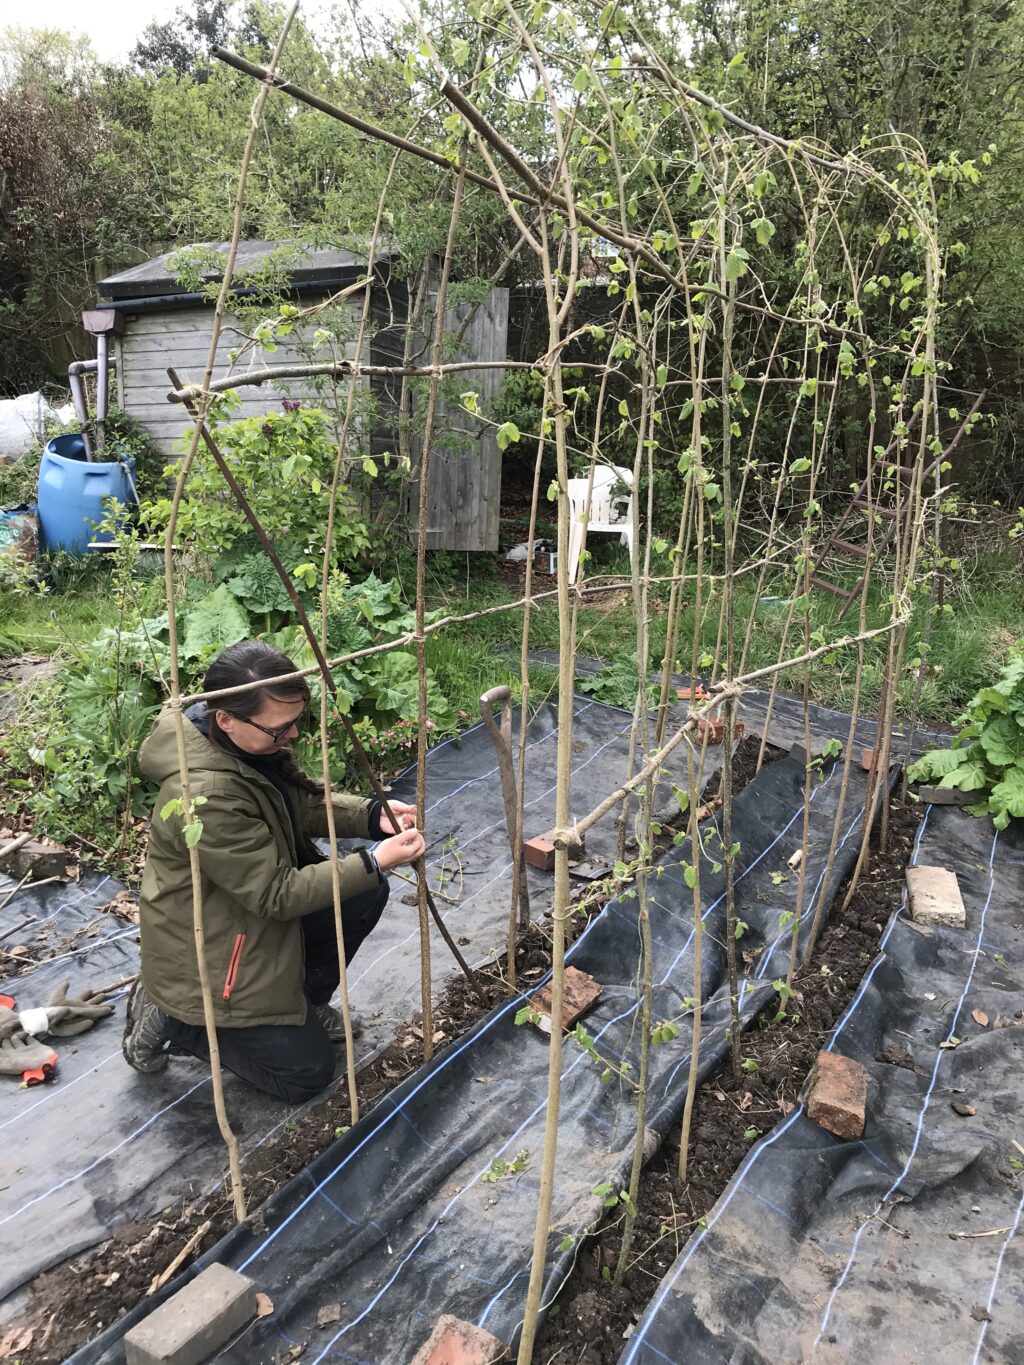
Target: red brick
{"type": "Point", "coordinates": [868, 759]}
{"type": "Point", "coordinates": [714, 729]}
{"type": "Point", "coordinates": [581, 993]}
{"type": "Point", "coordinates": [540, 851]}
{"type": "Point", "coordinates": [837, 1095]}
{"type": "Point", "coordinates": [688, 694]}
{"type": "Point", "coordinates": [453, 1342]}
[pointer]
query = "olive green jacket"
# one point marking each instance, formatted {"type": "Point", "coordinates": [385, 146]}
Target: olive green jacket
{"type": "Point", "coordinates": [254, 894]}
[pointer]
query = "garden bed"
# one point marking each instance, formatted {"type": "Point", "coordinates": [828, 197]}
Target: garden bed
{"type": "Point", "coordinates": [593, 1317]}
{"type": "Point", "coordinates": [108, 1282]}
{"type": "Point", "coordinates": [428, 1205]}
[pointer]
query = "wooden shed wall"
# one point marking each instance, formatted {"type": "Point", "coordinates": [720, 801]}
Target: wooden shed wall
{"type": "Point", "coordinates": [464, 493]}
{"type": "Point", "coordinates": [180, 338]}
{"type": "Point", "coordinates": [465, 474]}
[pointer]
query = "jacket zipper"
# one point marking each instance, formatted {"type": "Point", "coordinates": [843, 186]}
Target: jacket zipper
{"type": "Point", "coordinates": [236, 957]}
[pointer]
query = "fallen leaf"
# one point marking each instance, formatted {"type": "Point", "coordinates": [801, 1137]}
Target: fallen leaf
{"type": "Point", "coordinates": [951, 1042]}
{"type": "Point", "coordinates": [439, 1036]}
{"type": "Point", "coordinates": [18, 950]}
{"type": "Point", "coordinates": [483, 1080]}
{"type": "Point", "coordinates": [966, 1111]}
{"type": "Point", "coordinates": [1001, 1021]}
{"type": "Point", "coordinates": [746, 1101]}
{"type": "Point", "coordinates": [720, 1095]}
{"type": "Point", "coordinates": [264, 1305]}
{"type": "Point", "coordinates": [980, 1017]}
{"type": "Point", "coordinates": [787, 1106]}
{"type": "Point", "coordinates": [980, 1314]}
{"type": "Point", "coordinates": [14, 1342]}
{"type": "Point", "coordinates": [330, 1312]}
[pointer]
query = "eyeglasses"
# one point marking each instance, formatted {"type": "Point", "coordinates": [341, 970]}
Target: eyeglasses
{"type": "Point", "coordinates": [275, 735]}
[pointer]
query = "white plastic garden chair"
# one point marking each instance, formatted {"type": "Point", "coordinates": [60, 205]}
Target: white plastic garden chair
{"type": "Point", "coordinates": [611, 515]}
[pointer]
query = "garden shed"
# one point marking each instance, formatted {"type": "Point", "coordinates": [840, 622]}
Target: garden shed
{"type": "Point", "coordinates": [165, 321]}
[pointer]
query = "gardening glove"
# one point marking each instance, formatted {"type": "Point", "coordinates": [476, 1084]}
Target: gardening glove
{"type": "Point", "coordinates": [9, 1021]}
{"type": "Point", "coordinates": [64, 1018]}
{"type": "Point", "coordinates": [24, 1056]}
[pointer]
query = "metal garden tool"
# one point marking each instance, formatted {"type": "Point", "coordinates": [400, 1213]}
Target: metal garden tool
{"type": "Point", "coordinates": [502, 737]}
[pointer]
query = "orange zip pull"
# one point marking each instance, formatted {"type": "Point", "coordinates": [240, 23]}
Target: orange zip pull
{"type": "Point", "coordinates": [236, 957]}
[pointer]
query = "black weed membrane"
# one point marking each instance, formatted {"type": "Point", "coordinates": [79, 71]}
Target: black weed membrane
{"type": "Point", "coordinates": [427, 1205]}
{"type": "Point", "coordinates": [902, 1246]}
{"type": "Point", "coordinates": [103, 1146]}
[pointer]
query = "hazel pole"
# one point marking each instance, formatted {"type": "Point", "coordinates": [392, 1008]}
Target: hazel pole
{"type": "Point", "coordinates": [189, 819]}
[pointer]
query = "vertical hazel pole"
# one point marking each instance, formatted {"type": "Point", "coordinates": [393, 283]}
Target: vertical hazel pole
{"type": "Point", "coordinates": [732, 967]}
{"type": "Point", "coordinates": [557, 311]}
{"type": "Point", "coordinates": [189, 818]}
{"type": "Point", "coordinates": [640, 586]}
{"type": "Point", "coordinates": [519, 910]}
{"type": "Point", "coordinates": [421, 592]}
{"type": "Point", "coordinates": [563, 764]}
{"type": "Point", "coordinates": [698, 967]}
{"type": "Point", "coordinates": [325, 688]}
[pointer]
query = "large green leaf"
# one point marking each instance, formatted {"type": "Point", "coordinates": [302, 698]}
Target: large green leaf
{"type": "Point", "coordinates": [936, 763]}
{"type": "Point", "coordinates": [971, 774]}
{"type": "Point", "coordinates": [213, 623]}
{"type": "Point", "coordinates": [1003, 741]}
{"type": "Point", "coordinates": [1002, 697]}
{"type": "Point", "coordinates": [255, 582]}
{"type": "Point", "coordinates": [1008, 795]}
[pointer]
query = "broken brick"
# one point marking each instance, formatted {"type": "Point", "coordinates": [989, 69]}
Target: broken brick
{"type": "Point", "coordinates": [935, 898]}
{"type": "Point", "coordinates": [193, 1324]}
{"type": "Point", "coordinates": [837, 1095]}
{"type": "Point", "coordinates": [868, 759]}
{"type": "Point", "coordinates": [453, 1342]}
{"type": "Point", "coordinates": [36, 860]}
{"type": "Point", "coordinates": [540, 851]}
{"type": "Point", "coordinates": [946, 796]}
{"type": "Point", "coordinates": [580, 993]}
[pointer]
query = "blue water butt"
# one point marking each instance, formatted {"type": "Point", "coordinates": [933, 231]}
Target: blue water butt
{"type": "Point", "coordinates": [72, 492]}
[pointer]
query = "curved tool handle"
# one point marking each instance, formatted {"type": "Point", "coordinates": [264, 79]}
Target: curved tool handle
{"type": "Point", "coordinates": [506, 768]}
{"type": "Point", "coordinates": [487, 701]}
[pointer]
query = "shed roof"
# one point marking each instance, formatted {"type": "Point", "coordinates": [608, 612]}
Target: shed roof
{"type": "Point", "coordinates": [315, 264]}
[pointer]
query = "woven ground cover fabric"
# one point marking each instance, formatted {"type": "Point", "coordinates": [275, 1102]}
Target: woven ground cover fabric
{"type": "Point", "coordinates": [103, 1146]}
{"type": "Point", "coordinates": [412, 1213]}
{"type": "Point", "coordinates": [821, 1249]}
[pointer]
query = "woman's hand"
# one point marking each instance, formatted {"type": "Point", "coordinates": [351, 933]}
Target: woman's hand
{"type": "Point", "coordinates": [400, 848]}
{"type": "Point", "coordinates": [405, 815]}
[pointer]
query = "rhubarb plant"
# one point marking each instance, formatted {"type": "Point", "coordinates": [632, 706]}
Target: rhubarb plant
{"type": "Point", "coordinates": [987, 756]}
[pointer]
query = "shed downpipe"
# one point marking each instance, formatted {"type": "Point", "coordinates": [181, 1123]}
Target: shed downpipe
{"type": "Point", "coordinates": [76, 370]}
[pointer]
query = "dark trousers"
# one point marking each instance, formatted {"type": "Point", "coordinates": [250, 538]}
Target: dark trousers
{"type": "Point", "coordinates": [293, 1062]}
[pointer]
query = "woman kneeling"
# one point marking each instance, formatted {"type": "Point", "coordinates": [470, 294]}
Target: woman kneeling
{"type": "Point", "coordinates": [268, 916]}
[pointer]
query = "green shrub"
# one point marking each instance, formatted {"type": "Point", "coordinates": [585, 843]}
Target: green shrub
{"type": "Point", "coordinates": [284, 463]}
